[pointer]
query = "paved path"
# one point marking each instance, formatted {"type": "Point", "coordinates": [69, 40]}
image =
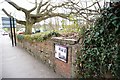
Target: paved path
{"type": "Point", "coordinates": [0, 57]}
{"type": "Point", "coordinates": [17, 63]}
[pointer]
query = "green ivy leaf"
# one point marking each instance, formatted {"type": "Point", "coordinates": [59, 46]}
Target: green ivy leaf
{"type": "Point", "coordinates": [96, 34]}
{"type": "Point", "coordinates": [115, 23]}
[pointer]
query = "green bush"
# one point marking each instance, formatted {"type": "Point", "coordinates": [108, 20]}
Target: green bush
{"type": "Point", "coordinates": [101, 47]}
{"type": "Point", "coordinates": [20, 37]}
{"type": "Point", "coordinates": [39, 37]}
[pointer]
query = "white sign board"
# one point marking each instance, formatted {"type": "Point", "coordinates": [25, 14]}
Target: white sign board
{"type": "Point", "coordinates": [61, 52]}
{"type": "Point", "coordinates": [6, 22]}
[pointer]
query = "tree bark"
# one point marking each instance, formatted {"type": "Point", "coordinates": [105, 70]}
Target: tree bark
{"type": "Point", "coordinates": [28, 28]}
{"type": "Point", "coordinates": [29, 23]}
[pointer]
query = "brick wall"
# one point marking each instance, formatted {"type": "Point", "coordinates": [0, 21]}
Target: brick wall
{"type": "Point", "coordinates": [40, 50]}
{"type": "Point", "coordinates": [45, 51]}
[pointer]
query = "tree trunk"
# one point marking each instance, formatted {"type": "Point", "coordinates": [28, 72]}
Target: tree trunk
{"type": "Point", "coordinates": [28, 28]}
{"type": "Point", "coordinates": [29, 24]}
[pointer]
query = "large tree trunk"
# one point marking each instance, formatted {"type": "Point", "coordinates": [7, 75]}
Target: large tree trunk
{"type": "Point", "coordinates": [29, 24]}
{"type": "Point", "coordinates": [28, 28]}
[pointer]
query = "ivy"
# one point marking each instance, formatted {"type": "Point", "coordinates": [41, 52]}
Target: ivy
{"type": "Point", "coordinates": [100, 51]}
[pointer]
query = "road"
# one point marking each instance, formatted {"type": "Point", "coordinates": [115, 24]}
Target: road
{"type": "Point", "coordinates": [17, 63]}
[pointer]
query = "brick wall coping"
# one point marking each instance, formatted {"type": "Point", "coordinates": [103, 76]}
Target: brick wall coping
{"type": "Point", "coordinates": [65, 40]}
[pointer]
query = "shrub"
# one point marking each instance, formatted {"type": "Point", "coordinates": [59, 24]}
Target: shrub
{"type": "Point", "coordinates": [39, 37]}
{"type": "Point", "coordinates": [20, 37]}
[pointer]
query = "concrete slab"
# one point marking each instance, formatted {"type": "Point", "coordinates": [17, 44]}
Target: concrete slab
{"type": "Point", "coordinates": [17, 63]}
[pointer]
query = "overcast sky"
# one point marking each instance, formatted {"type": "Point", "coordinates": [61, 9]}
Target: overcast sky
{"type": "Point", "coordinates": [18, 14]}
{"type": "Point", "coordinates": [24, 4]}
{"type": "Point", "coordinates": [12, 10]}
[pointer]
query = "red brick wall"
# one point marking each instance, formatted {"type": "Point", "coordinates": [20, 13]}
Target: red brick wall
{"type": "Point", "coordinates": [45, 52]}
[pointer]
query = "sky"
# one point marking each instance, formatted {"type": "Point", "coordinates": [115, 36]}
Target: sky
{"type": "Point", "coordinates": [17, 14]}
{"type": "Point", "coordinates": [12, 10]}
{"type": "Point", "coordinates": [24, 4]}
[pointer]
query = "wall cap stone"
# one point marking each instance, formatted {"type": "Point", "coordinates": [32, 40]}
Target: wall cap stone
{"type": "Point", "coordinates": [64, 40]}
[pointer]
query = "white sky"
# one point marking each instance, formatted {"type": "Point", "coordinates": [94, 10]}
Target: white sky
{"type": "Point", "coordinates": [24, 4]}
{"type": "Point", "coordinates": [12, 10]}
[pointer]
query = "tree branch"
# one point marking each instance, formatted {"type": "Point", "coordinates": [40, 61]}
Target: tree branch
{"type": "Point", "coordinates": [45, 8]}
{"type": "Point", "coordinates": [16, 6]}
{"type": "Point", "coordinates": [39, 7]}
{"type": "Point", "coordinates": [18, 21]}
{"type": "Point", "coordinates": [45, 3]}
{"type": "Point", "coordinates": [7, 13]}
{"type": "Point", "coordinates": [62, 15]}
{"type": "Point", "coordinates": [33, 7]}
{"type": "Point", "coordinates": [98, 5]}
{"type": "Point", "coordinates": [78, 8]}
{"type": "Point", "coordinates": [41, 4]}
{"type": "Point", "coordinates": [45, 11]}
{"type": "Point", "coordinates": [21, 22]}
{"type": "Point", "coordinates": [86, 18]}
{"type": "Point", "coordinates": [58, 6]}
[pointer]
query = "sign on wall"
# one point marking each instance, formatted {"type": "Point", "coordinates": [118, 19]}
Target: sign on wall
{"type": "Point", "coordinates": [61, 52]}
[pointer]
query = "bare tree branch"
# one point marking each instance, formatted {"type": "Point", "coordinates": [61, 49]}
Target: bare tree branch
{"type": "Point", "coordinates": [41, 4]}
{"type": "Point", "coordinates": [62, 15]}
{"type": "Point", "coordinates": [31, 2]}
{"type": "Point", "coordinates": [45, 8]}
{"type": "Point", "coordinates": [16, 6]}
{"type": "Point", "coordinates": [18, 21]}
{"type": "Point", "coordinates": [98, 5]}
{"type": "Point", "coordinates": [94, 5]}
{"type": "Point", "coordinates": [21, 22]}
{"type": "Point", "coordinates": [85, 18]}
{"type": "Point", "coordinates": [78, 10]}
{"type": "Point", "coordinates": [45, 3]}
{"type": "Point", "coordinates": [39, 7]}
{"type": "Point", "coordinates": [47, 11]}
{"type": "Point", "coordinates": [7, 13]}
{"type": "Point", "coordinates": [34, 7]}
